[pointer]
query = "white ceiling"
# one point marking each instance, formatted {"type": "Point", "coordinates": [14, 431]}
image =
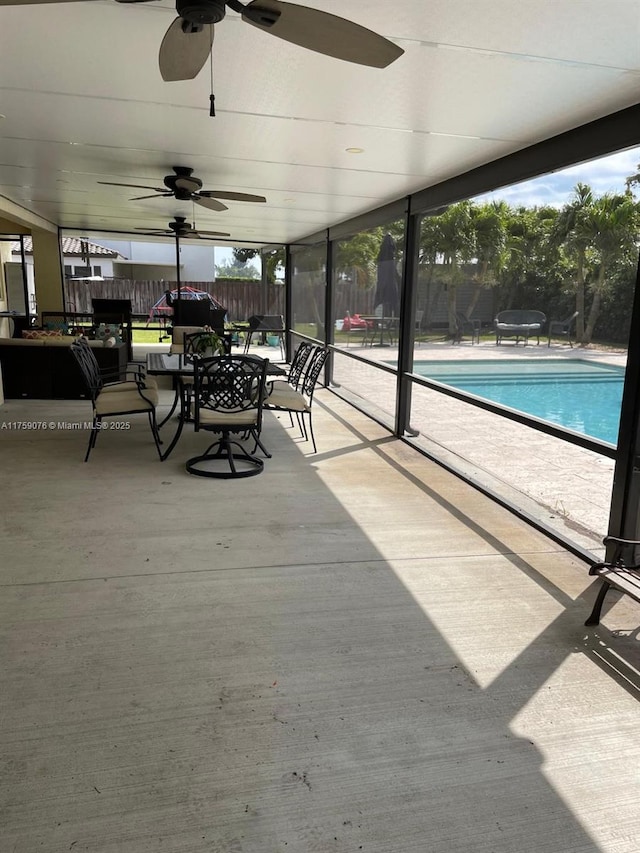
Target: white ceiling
{"type": "Point", "coordinates": [83, 101]}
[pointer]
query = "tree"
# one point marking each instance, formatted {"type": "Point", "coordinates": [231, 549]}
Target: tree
{"type": "Point", "coordinates": [428, 251]}
{"type": "Point", "coordinates": [633, 180]}
{"type": "Point", "coordinates": [489, 223]}
{"type": "Point", "coordinates": [597, 234]}
{"type": "Point", "coordinates": [356, 257]}
{"type": "Point", "coordinates": [456, 246]}
{"type": "Point", "coordinates": [532, 269]}
{"type": "Point", "coordinates": [236, 269]}
{"type": "Point", "coordinates": [574, 233]}
{"type": "Point", "coordinates": [612, 223]}
{"type": "Point", "coordinates": [272, 260]}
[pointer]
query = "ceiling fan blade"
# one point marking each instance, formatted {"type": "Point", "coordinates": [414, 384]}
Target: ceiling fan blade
{"type": "Point", "coordinates": [231, 196]}
{"type": "Point", "coordinates": [322, 32]}
{"type": "Point", "coordinates": [155, 195]}
{"type": "Point", "coordinates": [133, 186]}
{"type": "Point", "coordinates": [182, 54]}
{"type": "Point", "coordinates": [154, 233]}
{"type": "Point", "coordinates": [209, 203]}
{"type": "Point", "coordinates": [211, 234]}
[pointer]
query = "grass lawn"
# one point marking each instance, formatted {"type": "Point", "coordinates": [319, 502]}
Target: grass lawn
{"type": "Point", "coordinates": [149, 336]}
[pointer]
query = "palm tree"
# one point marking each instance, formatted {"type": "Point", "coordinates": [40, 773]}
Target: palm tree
{"type": "Point", "coordinates": [612, 225]}
{"type": "Point", "coordinates": [573, 232]}
{"type": "Point", "coordinates": [356, 257]}
{"type": "Point", "coordinates": [489, 222]}
{"type": "Point", "coordinates": [529, 254]}
{"type": "Point", "coordinates": [457, 246]}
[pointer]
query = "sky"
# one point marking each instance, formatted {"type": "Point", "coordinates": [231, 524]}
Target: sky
{"type": "Point", "coordinates": [607, 174]}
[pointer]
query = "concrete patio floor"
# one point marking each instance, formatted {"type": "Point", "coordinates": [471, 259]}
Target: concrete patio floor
{"type": "Point", "coordinates": [353, 651]}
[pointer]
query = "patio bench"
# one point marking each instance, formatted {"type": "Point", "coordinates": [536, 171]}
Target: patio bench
{"type": "Point", "coordinates": [616, 573]}
{"type": "Point", "coordinates": [517, 323]}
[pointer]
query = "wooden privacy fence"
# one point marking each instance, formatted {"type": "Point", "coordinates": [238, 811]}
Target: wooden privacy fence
{"type": "Point", "coordinates": [241, 298]}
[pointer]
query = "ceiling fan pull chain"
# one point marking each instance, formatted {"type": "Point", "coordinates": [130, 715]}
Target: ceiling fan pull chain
{"type": "Point", "coordinates": [212, 97]}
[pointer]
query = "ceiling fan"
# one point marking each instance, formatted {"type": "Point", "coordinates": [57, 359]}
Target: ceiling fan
{"type": "Point", "coordinates": [183, 186]}
{"type": "Point", "coordinates": [187, 43]}
{"type": "Point", "coordinates": [180, 228]}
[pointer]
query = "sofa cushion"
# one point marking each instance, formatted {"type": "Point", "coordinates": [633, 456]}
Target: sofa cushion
{"type": "Point", "coordinates": [20, 342]}
{"type": "Point", "coordinates": [60, 341]}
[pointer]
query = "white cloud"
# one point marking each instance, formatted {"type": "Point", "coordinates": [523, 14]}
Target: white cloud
{"type": "Point", "coordinates": [606, 174]}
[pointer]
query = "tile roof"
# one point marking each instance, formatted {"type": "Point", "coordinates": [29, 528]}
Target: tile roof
{"type": "Point", "coordinates": [72, 246]}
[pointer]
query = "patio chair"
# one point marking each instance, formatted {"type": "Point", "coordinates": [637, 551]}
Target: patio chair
{"type": "Point", "coordinates": [298, 363]}
{"type": "Point", "coordinates": [228, 397]}
{"type": "Point", "coordinates": [620, 571]}
{"type": "Point", "coordinates": [195, 344]}
{"type": "Point", "coordinates": [417, 325]}
{"type": "Point", "coordinates": [299, 402]}
{"type": "Point", "coordinates": [562, 328]}
{"type": "Point", "coordinates": [294, 377]}
{"type": "Point", "coordinates": [466, 325]}
{"type": "Point", "coordinates": [265, 324]}
{"type": "Point", "coordinates": [119, 381]}
{"type": "Point", "coordinates": [178, 335]}
{"type": "Point", "coordinates": [108, 400]}
{"type": "Point", "coordinates": [356, 326]}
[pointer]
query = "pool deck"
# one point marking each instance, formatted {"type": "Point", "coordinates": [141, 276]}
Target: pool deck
{"type": "Point", "coordinates": [560, 484]}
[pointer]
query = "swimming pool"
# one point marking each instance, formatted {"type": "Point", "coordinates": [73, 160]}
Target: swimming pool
{"type": "Point", "coordinates": [579, 395]}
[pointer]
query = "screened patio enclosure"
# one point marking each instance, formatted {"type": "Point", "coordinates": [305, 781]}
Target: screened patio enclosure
{"type": "Point", "coordinates": [330, 276]}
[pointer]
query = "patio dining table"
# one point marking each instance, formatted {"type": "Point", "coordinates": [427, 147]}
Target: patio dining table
{"type": "Point", "coordinates": [181, 368]}
{"type": "Point", "coordinates": [384, 326]}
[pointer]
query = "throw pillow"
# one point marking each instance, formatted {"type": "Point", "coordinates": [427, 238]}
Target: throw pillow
{"type": "Point", "coordinates": [39, 334]}
{"type": "Point", "coordinates": [106, 331]}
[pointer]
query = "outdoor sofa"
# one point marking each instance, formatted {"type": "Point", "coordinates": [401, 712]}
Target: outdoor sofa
{"type": "Point", "coordinates": [519, 324]}
{"type": "Point", "coordinates": [43, 367]}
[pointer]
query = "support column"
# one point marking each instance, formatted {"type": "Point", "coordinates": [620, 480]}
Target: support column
{"type": "Point", "coordinates": [624, 520]}
{"type": "Point", "coordinates": [48, 270]}
{"type": "Point", "coordinates": [5, 257]}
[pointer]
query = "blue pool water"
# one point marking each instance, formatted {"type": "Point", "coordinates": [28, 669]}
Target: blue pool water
{"type": "Point", "coordinates": [578, 395]}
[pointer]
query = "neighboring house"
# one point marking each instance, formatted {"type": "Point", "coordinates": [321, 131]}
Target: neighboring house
{"type": "Point", "coordinates": [81, 259]}
{"type": "Point", "coordinates": [123, 259]}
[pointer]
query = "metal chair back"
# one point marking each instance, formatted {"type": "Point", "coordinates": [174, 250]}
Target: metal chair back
{"type": "Point", "coordinates": [299, 363]}
{"type": "Point", "coordinates": [312, 373]}
{"type": "Point", "coordinates": [232, 386]}
{"type": "Point", "coordinates": [88, 365]}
